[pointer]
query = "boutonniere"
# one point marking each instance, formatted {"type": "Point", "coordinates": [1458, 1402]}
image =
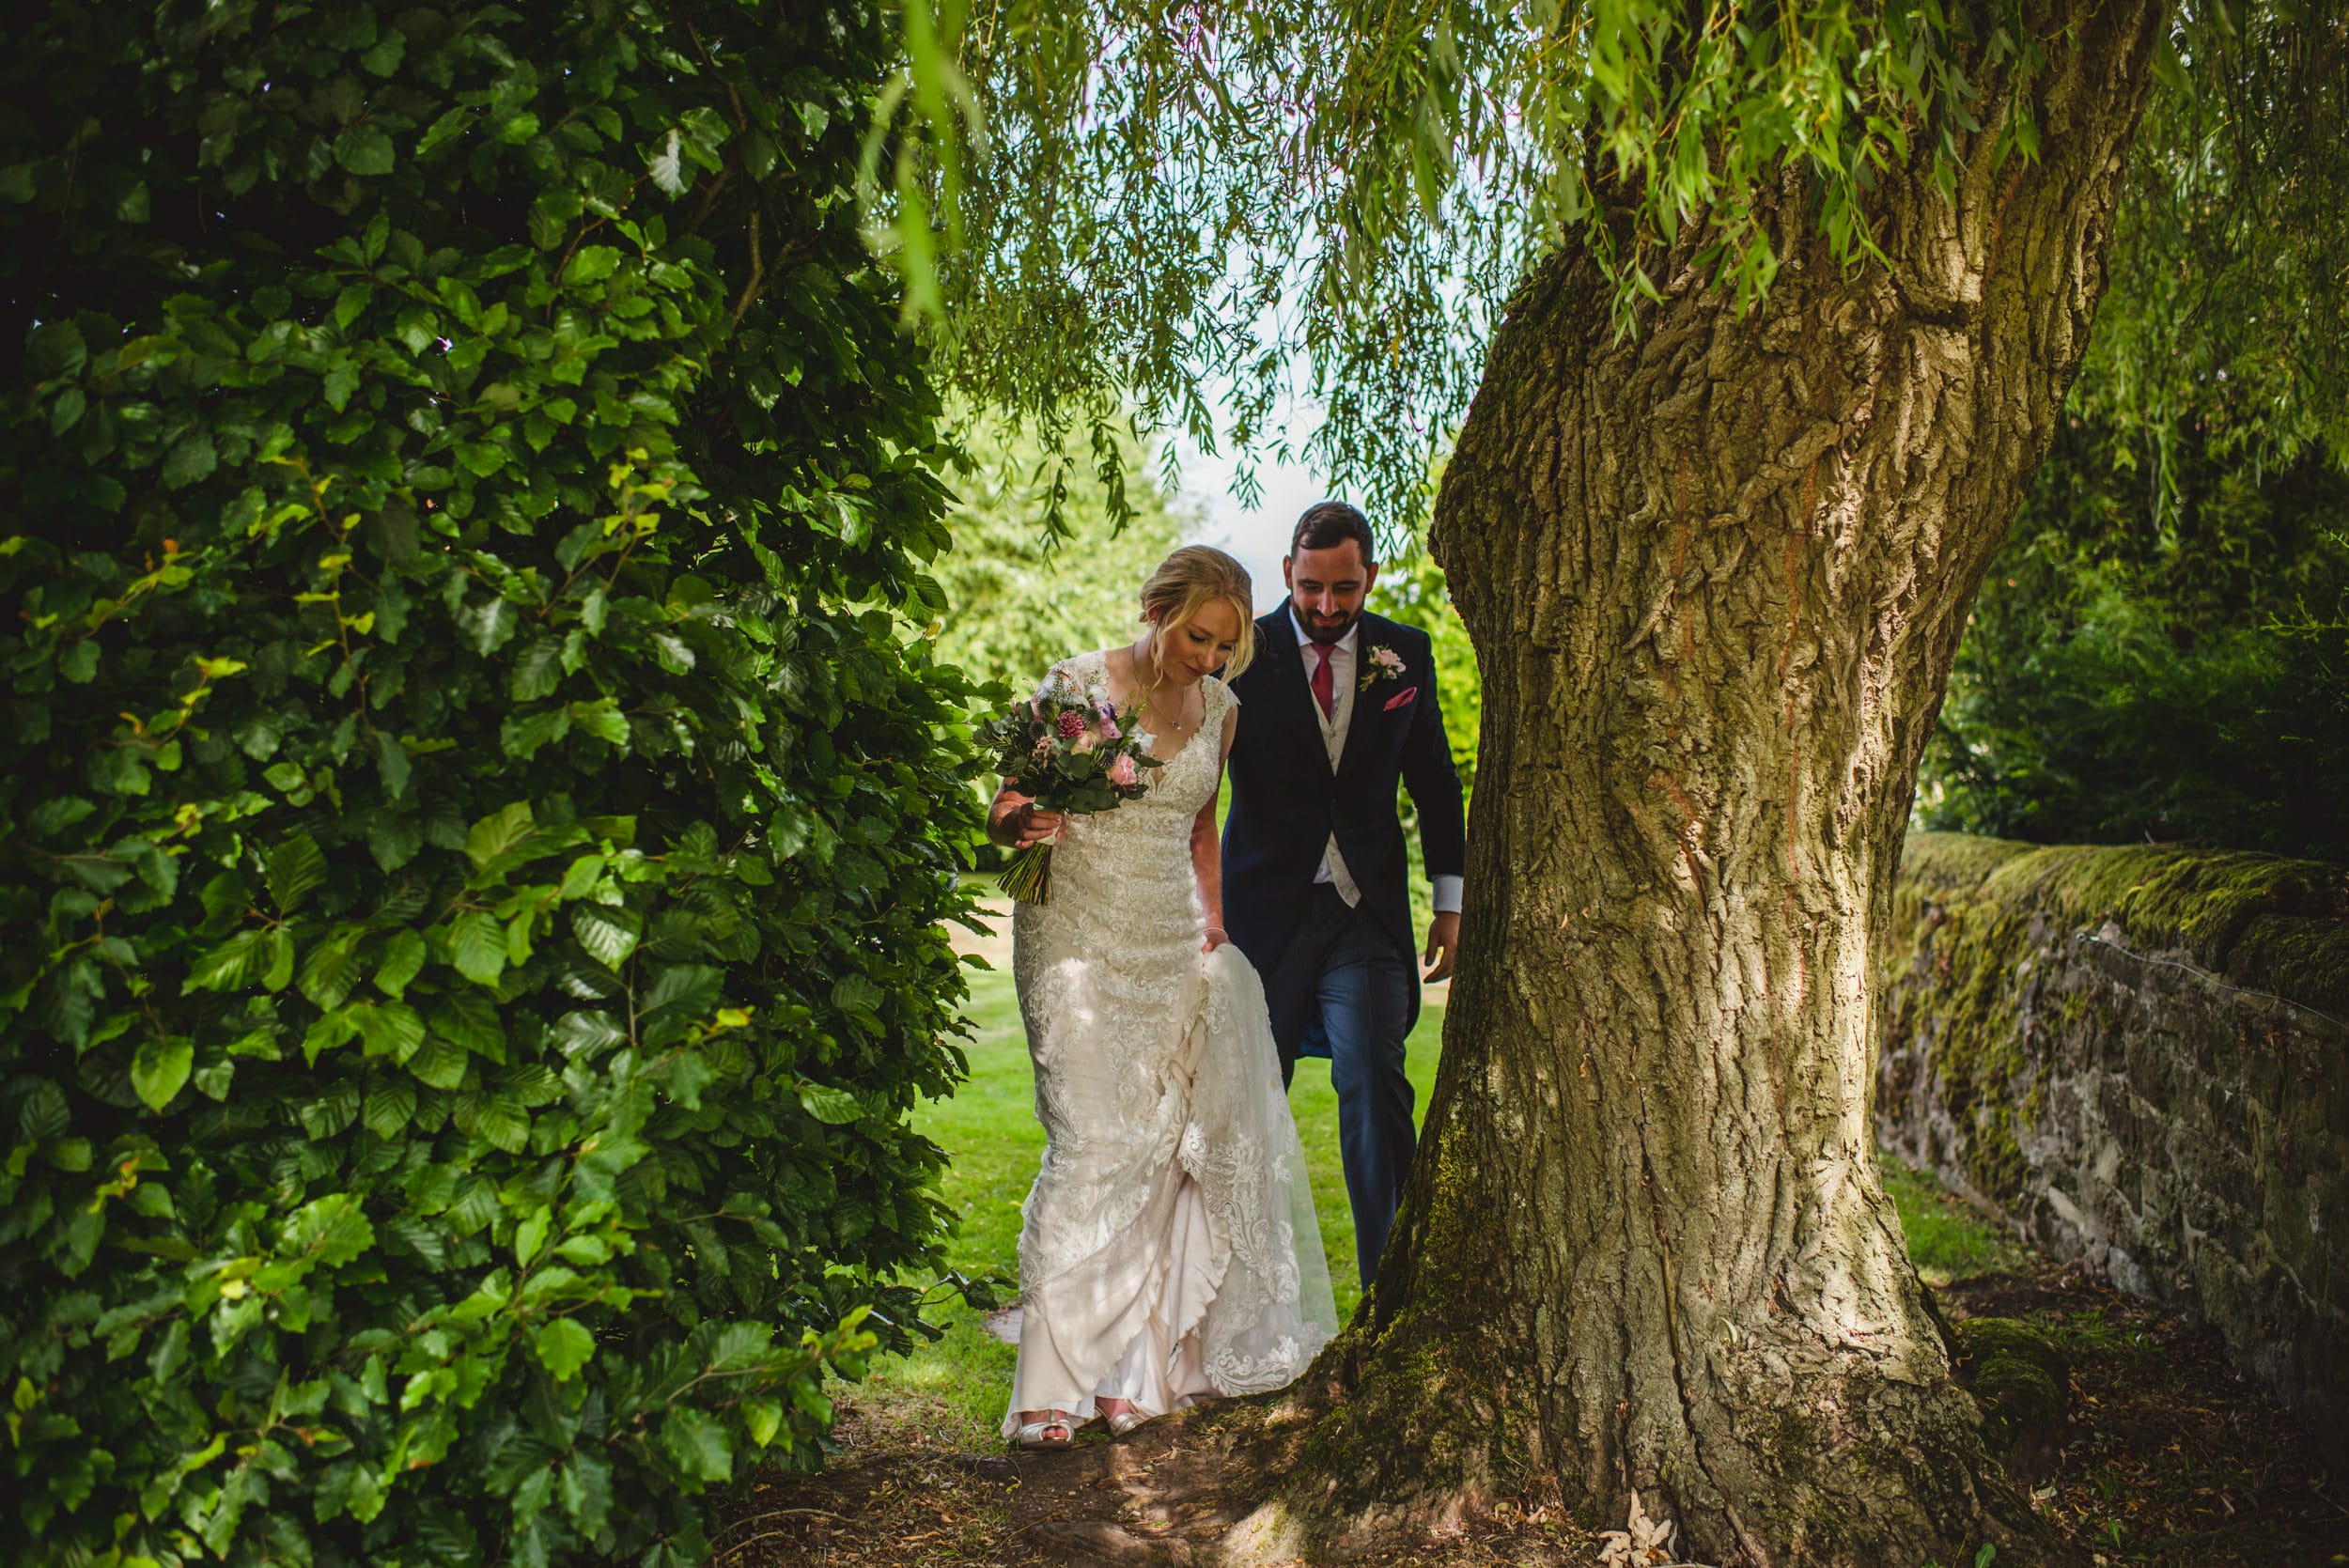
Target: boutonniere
{"type": "Point", "coordinates": [1382, 664]}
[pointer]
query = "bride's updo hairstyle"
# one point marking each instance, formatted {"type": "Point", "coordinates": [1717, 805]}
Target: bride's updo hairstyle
{"type": "Point", "coordinates": [1185, 583]}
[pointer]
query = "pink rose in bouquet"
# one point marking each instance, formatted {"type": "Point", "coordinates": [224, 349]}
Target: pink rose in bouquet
{"type": "Point", "coordinates": [1069, 753]}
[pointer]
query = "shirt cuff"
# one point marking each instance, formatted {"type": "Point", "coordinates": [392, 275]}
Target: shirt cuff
{"type": "Point", "coordinates": [1447, 895]}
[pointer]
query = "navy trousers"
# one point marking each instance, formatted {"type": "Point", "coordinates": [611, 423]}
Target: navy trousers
{"type": "Point", "coordinates": [1343, 985]}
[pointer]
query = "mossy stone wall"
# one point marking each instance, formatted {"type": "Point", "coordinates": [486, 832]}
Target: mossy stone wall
{"type": "Point", "coordinates": [2136, 1056]}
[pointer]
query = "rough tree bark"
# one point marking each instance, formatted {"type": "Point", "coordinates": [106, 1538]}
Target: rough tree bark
{"type": "Point", "coordinates": [1715, 574]}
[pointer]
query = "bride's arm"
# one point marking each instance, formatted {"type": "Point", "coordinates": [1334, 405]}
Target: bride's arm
{"type": "Point", "coordinates": [1206, 852]}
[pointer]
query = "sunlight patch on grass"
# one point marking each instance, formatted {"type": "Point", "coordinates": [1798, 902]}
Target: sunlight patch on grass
{"type": "Point", "coordinates": [1947, 1239]}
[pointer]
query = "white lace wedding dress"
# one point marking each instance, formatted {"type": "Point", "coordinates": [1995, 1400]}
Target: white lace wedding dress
{"type": "Point", "coordinates": [1170, 1251]}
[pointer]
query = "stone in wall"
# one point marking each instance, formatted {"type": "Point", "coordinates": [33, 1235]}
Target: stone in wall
{"type": "Point", "coordinates": [2138, 1058]}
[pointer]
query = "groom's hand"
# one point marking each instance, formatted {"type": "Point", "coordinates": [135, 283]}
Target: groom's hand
{"type": "Point", "coordinates": [1444, 946]}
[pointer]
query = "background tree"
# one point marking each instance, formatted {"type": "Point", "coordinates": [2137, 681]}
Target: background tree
{"type": "Point", "coordinates": [1773, 313]}
{"type": "Point", "coordinates": [473, 842]}
{"type": "Point", "coordinates": [1021, 591]}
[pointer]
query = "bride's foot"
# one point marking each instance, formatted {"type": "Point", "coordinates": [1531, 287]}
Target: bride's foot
{"type": "Point", "coordinates": [1120, 1416]}
{"type": "Point", "coordinates": [1044, 1429]}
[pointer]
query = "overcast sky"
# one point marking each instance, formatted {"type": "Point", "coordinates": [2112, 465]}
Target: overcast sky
{"type": "Point", "coordinates": [1259, 535]}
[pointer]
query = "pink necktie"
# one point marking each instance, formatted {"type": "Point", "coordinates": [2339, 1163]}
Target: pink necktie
{"type": "Point", "coordinates": [1325, 692]}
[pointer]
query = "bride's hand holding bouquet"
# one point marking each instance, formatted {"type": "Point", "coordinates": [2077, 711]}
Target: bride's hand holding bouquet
{"type": "Point", "coordinates": [1069, 756]}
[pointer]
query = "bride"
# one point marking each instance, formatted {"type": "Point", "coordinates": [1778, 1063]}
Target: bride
{"type": "Point", "coordinates": [1170, 1252]}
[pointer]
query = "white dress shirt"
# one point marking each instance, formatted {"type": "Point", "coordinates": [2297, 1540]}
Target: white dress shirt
{"type": "Point", "coordinates": [1343, 660]}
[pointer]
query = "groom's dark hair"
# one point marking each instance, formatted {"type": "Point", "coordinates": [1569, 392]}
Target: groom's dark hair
{"type": "Point", "coordinates": [1329, 523]}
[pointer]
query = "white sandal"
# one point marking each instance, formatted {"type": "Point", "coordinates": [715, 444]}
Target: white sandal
{"type": "Point", "coordinates": [1038, 1435]}
{"type": "Point", "coordinates": [1125, 1421]}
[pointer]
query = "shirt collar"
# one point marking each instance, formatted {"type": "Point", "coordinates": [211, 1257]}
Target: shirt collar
{"type": "Point", "coordinates": [1346, 644]}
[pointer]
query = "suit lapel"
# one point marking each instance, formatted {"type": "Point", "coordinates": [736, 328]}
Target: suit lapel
{"type": "Point", "coordinates": [1293, 695]}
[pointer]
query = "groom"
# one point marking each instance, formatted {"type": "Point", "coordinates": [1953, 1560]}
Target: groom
{"type": "Point", "coordinates": [1337, 708]}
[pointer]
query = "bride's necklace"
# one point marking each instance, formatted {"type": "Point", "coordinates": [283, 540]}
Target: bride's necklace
{"type": "Point", "coordinates": [1181, 735]}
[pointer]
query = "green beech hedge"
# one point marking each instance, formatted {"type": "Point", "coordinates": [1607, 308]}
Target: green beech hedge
{"type": "Point", "coordinates": [473, 838]}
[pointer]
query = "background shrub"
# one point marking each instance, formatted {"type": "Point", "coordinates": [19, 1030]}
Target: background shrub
{"type": "Point", "coordinates": [2160, 652]}
{"type": "Point", "coordinates": [472, 844]}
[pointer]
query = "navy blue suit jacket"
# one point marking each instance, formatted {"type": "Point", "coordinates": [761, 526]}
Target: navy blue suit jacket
{"type": "Point", "coordinates": [1287, 801]}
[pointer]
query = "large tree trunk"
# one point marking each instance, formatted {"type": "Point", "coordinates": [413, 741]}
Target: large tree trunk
{"type": "Point", "coordinates": [1716, 573]}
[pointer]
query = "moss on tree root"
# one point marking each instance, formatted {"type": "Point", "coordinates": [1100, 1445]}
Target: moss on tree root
{"type": "Point", "coordinates": [2022, 1383]}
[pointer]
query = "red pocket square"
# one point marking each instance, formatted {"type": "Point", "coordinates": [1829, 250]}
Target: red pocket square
{"type": "Point", "coordinates": [1400, 698]}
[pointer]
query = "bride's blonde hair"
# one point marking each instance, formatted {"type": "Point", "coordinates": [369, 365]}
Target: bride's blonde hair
{"type": "Point", "coordinates": [1185, 583]}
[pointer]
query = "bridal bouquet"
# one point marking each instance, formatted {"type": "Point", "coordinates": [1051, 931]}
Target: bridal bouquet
{"type": "Point", "coordinates": [1070, 754]}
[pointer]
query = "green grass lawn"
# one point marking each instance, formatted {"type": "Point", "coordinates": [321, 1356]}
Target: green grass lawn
{"type": "Point", "coordinates": [953, 1392]}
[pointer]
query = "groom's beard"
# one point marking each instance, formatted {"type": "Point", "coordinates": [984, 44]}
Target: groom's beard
{"type": "Point", "coordinates": [1328, 630]}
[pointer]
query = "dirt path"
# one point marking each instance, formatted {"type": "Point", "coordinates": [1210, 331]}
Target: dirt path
{"type": "Point", "coordinates": [2170, 1461]}
{"type": "Point", "coordinates": [1166, 1497]}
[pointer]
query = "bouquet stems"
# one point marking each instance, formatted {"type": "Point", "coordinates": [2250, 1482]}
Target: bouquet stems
{"type": "Point", "coordinates": [1028, 874]}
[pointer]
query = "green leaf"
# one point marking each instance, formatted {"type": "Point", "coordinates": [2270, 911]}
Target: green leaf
{"type": "Point", "coordinates": [331, 969]}
{"type": "Point", "coordinates": [666, 168]}
{"type": "Point", "coordinates": [390, 1029]}
{"type": "Point", "coordinates": [563, 1347]}
{"type": "Point", "coordinates": [833, 1107]}
{"type": "Point", "coordinates": [498, 832]}
{"type": "Point", "coordinates": [531, 1234]}
{"type": "Point", "coordinates": [54, 351]}
{"type": "Point", "coordinates": [764, 1418]}
{"type": "Point", "coordinates": [603, 720]}
{"type": "Point", "coordinates": [279, 947]}
{"type": "Point", "coordinates": [481, 459]}
{"type": "Point", "coordinates": [524, 734]}
{"type": "Point", "coordinates": [332, 1109]}
{"type": "Point", "coordinates": [584, 1490]}
{"type": "Point", "coordinates": [384, 56]}
{"type": "Point", "coordinates": [192, 457]}
{"type": "Point", "coordinates": [537, 670]}
{"type": "Point", "coordinates": [403, 955]}
{"type": "Point", "coordinates": [391, 764]}
{"type": "Point", "coordinates": [390, 1104]}
{"type": "Point", "coordinates": [213, 1082]}
{"type": "Point", "coordinates": [44, 1113]}
{"type": "Point", "coordinates": [159, 1068]}
{"type": "Point", "coordinates": [609, 935]}
{"type": "Point", "coordinates": [232, 966]}
{"type": "Point", "coordinates": [470, 1020]}
{"type": "Point", "coordinates": [492, 625]}
{"type": "Point", "coordinates": [67, 412]}
{"type": "Point", "coordinates": [328, 1030]}
{"type": "Point", "coordinates": [394, 840]}
{"type": "Point", "coordinates": [295, 867]}
{"type": "Point", "coordinates": [592, 264]}
{"type": "Point", "coordinates": [364, 149]}
{"type": "Point", "coordinates": [503, 1122]}
{"type": "Point", "coordinates": [332, 1230]}
{"type": "Point", "coordinates": [477, 945]}
{"type": "Point", "coordinates": [439, 1062]}
{"type": "Point", "coordinates": [698, 1444]}
{"type": "Point", "coordinates": [588, 1033]}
